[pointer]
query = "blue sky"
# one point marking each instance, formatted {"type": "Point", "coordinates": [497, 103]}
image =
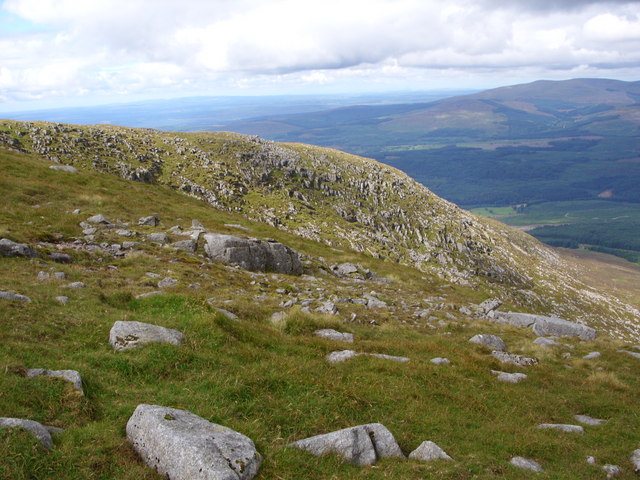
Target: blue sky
{"type": "Point", "coordinates": [80, 52]}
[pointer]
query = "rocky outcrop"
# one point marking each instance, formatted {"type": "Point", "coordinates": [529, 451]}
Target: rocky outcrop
{"type": "Point", "coordinates": [252, 254]}
{"type": "Point", "coordinates": [129, 335]}
{"type": "Point", "coordinates": [362, 445]}
{"type": "Point", "coordinates": [183, 446]}
{"type": "Point", "coordinates": [36, 429]}
{"type": "Point", "coordinates": [10, 248]}
{"type": "Point", "coordinates": [543, 326]}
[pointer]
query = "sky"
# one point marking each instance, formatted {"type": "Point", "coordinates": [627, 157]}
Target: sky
{"type": "Point", "coordinates": [56, 53]}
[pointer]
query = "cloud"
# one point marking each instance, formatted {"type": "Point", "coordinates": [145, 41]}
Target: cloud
{"type": "Point", "coordinates": [79, 47]}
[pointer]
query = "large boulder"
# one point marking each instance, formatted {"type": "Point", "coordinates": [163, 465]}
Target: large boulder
{"type": "Point", "coordinates": [36, 429]}
{"type": "Point", "coordinates": [252, 254]}
{"type": "Point", "coordinates": [183, 446]}
{"type": "Point", "coordinates": [129, 335]}
{"type": "Point", "coordinates": [544, 326]}
{"type": "Point", "coordinates": [9, 248]}
{"type": "Point", "coordinates": [14, 296]}
{"type": "Point", "coordinates": [362, 445]}
{"type": "Point", "coordinates": [492, 341]}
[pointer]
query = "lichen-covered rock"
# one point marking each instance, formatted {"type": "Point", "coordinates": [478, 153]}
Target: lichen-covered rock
{"type": "Point", "coordinates": [14, 296]}
{"type": "Point", "coordinates": [440, 361]}
{"type": "Point", "coordinates": [331, 334]}
{"type": "Point", "coordinates": [492, 341]}
{"type": "Point", "coordinates": [340, 356]}
{"type": "Point", "coordinates": [252, 254]}
{"type": "Point", "coordinates": [71, 376]}
{"type": "Point", "coordinates": [183, 446]}
{"type": "Point", "coordinates": [128, 335]}
{"type": "Point", "coordinates": [509, 377]}
{"type": "Point", "coordinates": [151, 220]}
{"type": "Point", "coordinates": [429, 451]}
{"type": "Point", "coordinates": [526, 464]}
{"type": "Point", "coordinates": [362, 445]}
{"type": "Point", "coordinates": [513, 359]}
{"type": "Point", "coordinates": [544, 326]}
{"type": "Point", "coordinates": [9, 248]}
{"type": "Point", "coordinates": [635, 460]}
{"type": "Point", "coordinates": [158, 238]}
{"type": "Point", "coordinates": [99, 218]}
{"type": "Point", "coordinates": [36, 429]}
{"type": "Point", "coordinates": [561, 427]}
{"type": "Point", "coordinates": [186, 245]}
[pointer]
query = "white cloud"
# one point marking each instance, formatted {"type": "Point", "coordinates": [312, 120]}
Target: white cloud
{"type": "Point", "coordinates": [197, 46]}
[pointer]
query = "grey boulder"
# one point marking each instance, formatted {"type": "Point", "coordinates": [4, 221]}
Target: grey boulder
{"type": "Point", "coordinates": [492, 341]}
{"type": "Point", "coordinates": [64, 168]}
{"type": "Point", "coordinates": [9, 248]}
{"type": "Point", "coordinates": [183, 446]}
{"type": "Point", "coordinates": [158, 238]}
{"type": "Point", "coordinates": [331, 334]}
{"type": "Point", "coordinates": [635, 459]}
{"type": "Point", "coordinates": [561, 427]}
{"type": "Point", "coordinates": [129, 335]}
{"type": "Point", "coordinates": [36, 429]}
{"type": "Point", "coordinates": [429, 451]}
{"type": "Point", "coordinates": [440, 361]}
{"type": "Point", "coordinates": [587, 420]}
{"type": "Point", "coordinates": [252, 254]}
{"type": "Point", "coordinates": [151, 220]}
{"type": "Point", "coordinates": [526, 464]}
{"type": "Point", "coordinates": [340, 356]}
{"type": "Point", "coordinates": [167, 282]}
{"type": "Point", "coordinates": [186, 245]}
{"type": "Point", "coordinates": [513, 359]}
{"type": "Point", "coordinates": [545, 326]}
{"type": "Point", "coordinates": [633, 354]}
{"type": "Point", "coordinates": [362, 445]}
{"type": "Point", "coordinates": [71, 376]}
{"type": "Point", "coordinates": [592, 356]}
{"type": "Point", "coordinates": [98, 219]}
{"type": "Point", "coordinates": [14, 296]}
{"type": "Point", "coordinates": [545, 342]}
{"type": "Point", "coordinates": [509, 377]}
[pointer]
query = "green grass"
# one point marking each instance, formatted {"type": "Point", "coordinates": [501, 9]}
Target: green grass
{"type": "Point", "coordinates": [266, 381]}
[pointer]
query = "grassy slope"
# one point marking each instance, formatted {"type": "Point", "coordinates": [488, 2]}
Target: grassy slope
{"type": "Point", "coordinates": [271, 383]}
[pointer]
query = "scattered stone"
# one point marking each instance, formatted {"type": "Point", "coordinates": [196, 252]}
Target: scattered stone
{"type": "Point", "coordinates": [509, 377]}
{"type": "Point", "coordinates": [429, 451]}
{"type": "Point", "coordinates": [226, 313]}
{"type": "Point", "coordinates": [513, 359]}
{"type": "Point", "coordinates": [373, 302]}
{"type": "Point", "coordinates": [633, 354]}
{"type": "Point", "coordinates": [591, 460]}
{"type": "Point", "coordinates": [344, 269]}
{"type": "Point", "coordinates": [384, 356]}
{"type": "Point", "coordinates": [124, 233]}
{"type": "Point", "coordinates": [186, 245]}
{"type": "Point", "coordinates": [612, 471]}
{"type": "Point", "coordinates": [43, 276]}
{"type": "Point", "coordinates": [545, 326]}
{"type": "Point", "coordinates": [98, 219]}
{"type": "Point", "coordinates": [239, 227]}
{"type": "Point", "coordinates": [158, 238]}
{"type": "Point", "coordinates": [362, 445]}
{"type": "Point", "coordinates": [64, 168]}
{"type": "Point", "coordinates": [127, 245]}
{"type": "Point", "coordinates": [62, 300]}
{"type": "Point", "coordinates": [68, 375]}
{"type": "Point", "coordinates": [331, 334]}
{"type": "Point", "coordinates": [197, 224]}
{"type": "Point", "coordinates": [341, 356]}
{"type": "Point", "coordinates": [635, 459]}
{"type": "Point", "coordinates": [36, 429]}
{"type": "Point", "coordinates": [328, 308]}
{"type": "Point", "coordinates": [183, 446]}
{"type": "Point", "coordinates": [14, 296]}
{"type": "Point", "coordinates": [492, 341]}
{"type": "Point", "coordinates": [76, 211]}
{"type": "Point", "coordinates": [545, 342]}
{"type": "Point", "coordinates": [153, 275]}
{"type": "Point", "coordinates": [488, 306]}
{"type": "Point", "coordinates": [9, 248]}
{"type": "Point", "coordinates": [129, 335]}
{"type": "Point", "coordinates": [592, 356]}
{"type": "Point", "coordinates": [167, 282]}
{"type": "Point", "coordinates": [440, 361]}
{"type": "Point", "coordinates": [252, 254]}
{"type": "Point", "coordinates": [61, 257]}
{"type": "Point", "coordinates": [89, 231]}
{"type": "Point", "coordinates": [465, 310]}
{"type": "Point", "coordinates": [151, 221]}
{"type": "Point", "coordinates": [562, 427]}
{"type": "Point", "coordinates": [149, 294]}
{"type": "Point", "coordinates": [526, 464]}
{"type": "Point", "coordinates": [60, 275]}
{"type": "Point", "coordinates": [587, 420]}
{"type": "Point", "coordinates": [76, 285]}
{"type": "Point", "coordinates": [53, 430]}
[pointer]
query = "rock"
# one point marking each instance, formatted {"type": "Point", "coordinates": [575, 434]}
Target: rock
{"type": "Point", "coordinates": [124, 233]}
{"type": "Point", "coordinates": [43, 276]}
{"type": "Point", "coordinates": [526, 464]}
{"type": "Point", "coordinates": [331, 334]}
{"type": "Point", "coordinates": [153, 275]}
{"type": "Point", "coordinates": [76, 285]}
{"type": "Point", "coordinates": [612, 471]}
{"type": "Point", "coordinates": [64, 168]}
{"type": "Point", "coordinates": [591, 460]}
{"type": "Point", "coordinates": [68, 375]}
{"type": "Point", "coordinates": [511, 358]}
{"type": "Point", "coordinates": [384, 356]}
{"type": "Point", "coordinates": [440, 361]}
{"type": "Point", "coordinates": [151, 221]}
{"type": "Point", "coordinates": [226, 313]}
{"type": "Point", "coordinates": [158, 238]}
{"type": "Point", "coordinates": [14, 296]}
{"type": "Point", "coordinates": [127, 245]}
{"type": "Point", "coordinates": [344, 269]}
{"type": "Point", "coordinates": [167, 282]}
{"type": "Point", "coordinates": [186, 245]}
{"type": "Point", "coordinates": [129, 335]}
{"type": "Point", "coordinates": [89, 231]}
{"type": "Point", "coordinates": [492, 341]}
{"type": "Point", "coordinates": [60, 275]}
{"type": "Point", "coordinates": [61, 257]}
{"type": "Point", "coordinates": [373, 302]}
{"type": "Point", "coordinates": [562, 427]}
{"type": "Point", "coordinates": [488, 306]}
{"type": "Point", "coordinates": [98, 219]}
{"type": "Point", "coordinates": [196, 224]}
{"type": "Point", "coordinates": [587, 420]}
{"type": "Point", "coordinates": [149, 294]}
{"type": "Point", "coordinates": [633, 354]}
{"type": "Point", "coordinates": [278, 317]}
{"type": "Point", "coordinates": [592, 356]}
{"type": "Point", "coordinates": [635, 459]}
{"type": "Point", "coordinates": [509, 377]}
{"type": "Point", "coordinates": [239, 227]}
{"type": "Point", "coordinates": [62, 300]}
{"type": "Point", "coordinates": [328, 308]}
{"type": "Point", "coordinates": [9, 248]}
{"type": "Point", "coordinates": [465, 310]}
{"type": "Point", "coordinates": [545, 326]}
{"type": "Point", "coordinates": [183, 446]}
{"type": "Point", "coordinates": [429, 451]}
{"type": "Point", "coordinates": [53, 430]}
{"type": "Point", "coordinates": [252, 254]}
{"type": "Point", "coordinates": [362, 445]}
{"type": "Point", "coordinates": [36, 429]}
{"type": "Point", "coordinates": [545, 342]}
{"type": "Point", "coordinates": [341, 356]}
{"type": "Point", "coordinates": [76, 211]}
